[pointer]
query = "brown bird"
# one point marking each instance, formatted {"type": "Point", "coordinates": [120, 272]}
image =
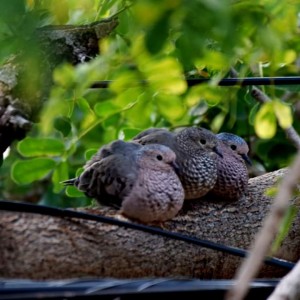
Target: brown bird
{"type": "Point", "coordinates": [140, 180]}
{"type": "Point", "coordinates": [196, 151]}
{"type": "Point", "coordinates": [233, 176]}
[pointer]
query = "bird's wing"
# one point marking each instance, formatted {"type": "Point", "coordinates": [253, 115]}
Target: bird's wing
{"type": "Point", "coordinates": [149, 131]}
{"type": "Point", "coordinates": [109, 179]}
{"type": "Point", "coordinates": [117, 147]}
{"type": "Point", "coordinates": [156, 136]}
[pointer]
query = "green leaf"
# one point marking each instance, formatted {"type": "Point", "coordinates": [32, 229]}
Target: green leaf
{"type": "Point", "coordinates": [72, 191]}
{"type": "Point", "coordinates": [285, 227]}
{"type": "Point", "coordinates": [27, 171]}
{"type": "Point", "coordinates": [253, 113]}
{"type": "Point", "coordinates": [129, 133]}
{"type": "Point", "coordinates": [170, 106]}
{"type": "Point", "coordinates": [283, 113]}
{"type": "Point", "coordinates": [106, 108]}
{"type": "Point", "coordinates": [63, 124]}
{"type": "Point", "coordinates": [64, 75]}
{"type": "Point", "coordinates": [166, 75]}
{"type": "Point", "coordinates": [265, 121]}
{"type": "Point", "coordinates": [41, 146]}
{"type": "Point", "coordinates": [83, 105]}
{"type": "Point", "coordinates": [60, 174]}
{"type": "Point", "coordinates": [89, 153]}
{"type": "Point", "coordinates": [217, 122]}
{"type": "Point", "coordinates": [125, 80]}
{"type": "Point", "coordinates": [140, 115]}
{"type": "Point", "coordinates": [158, 34]}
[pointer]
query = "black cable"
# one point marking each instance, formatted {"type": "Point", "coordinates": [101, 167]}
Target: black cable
{"type": "Point", "coordinates": [223, 82]}
{"type": "Point", "coordinates": [58, 212]}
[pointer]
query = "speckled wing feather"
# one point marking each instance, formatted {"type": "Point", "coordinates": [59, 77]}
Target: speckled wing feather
{"type": "Point", "coordinates": [116, 147]}
{"type": "Point", "coordinates": [157, 136]}
{"type": "Point", "coordinates": [109, 180]}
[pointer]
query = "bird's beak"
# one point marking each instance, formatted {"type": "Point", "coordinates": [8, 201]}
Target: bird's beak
{"type": "Point", "coordinates": [216, 150]}
{"type": "Point", "coordinates": [176, 167]}
{"type": "Point", "coordinates": [246, 159]}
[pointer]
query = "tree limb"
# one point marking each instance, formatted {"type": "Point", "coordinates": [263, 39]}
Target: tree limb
{"type": "Point", "coordinates": [42, 247]}
{"type": "Point", "coordinates": [266, 235]}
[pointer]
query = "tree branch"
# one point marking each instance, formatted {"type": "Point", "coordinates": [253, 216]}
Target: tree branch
{"type": "Point", "coordinates": [264, 239]}
{"type": "Point", "coordinates": [43, 247]}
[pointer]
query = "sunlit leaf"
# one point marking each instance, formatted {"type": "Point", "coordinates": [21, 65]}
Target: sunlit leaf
{"type": "Point", "coordinates": [148, 12]}
{"type": "Point", "coordinates": [60, 174]}
{"type": "Point", "coordinates": [106, 108]}
{"type": "Point", "coordinates": [128, 97]}
{"type": "Point", "coordinates": [170, 106]}
{"type": "Point", "coordinates": [166, 76]}
{"type": "Point", "coordinates": [265, 121]}
{"type": "Point", "coordinates": [27, 171]}
{"type": "Point", "coordinates": [83, 105]}
{"type": "Point", "coordinates": [140, 114]}
{"type": "Point", "coordinates": [217, 122]}
{"type": "Point", "coordinates": [283, 113]}
{"type": "Point", "coordinates": [289, 56]}
{"type": "Point", "coordinates": [124, 81]}
{"type": "Point", "coordinates": [64, 75]}
{"type": "Point", "coordinates": [40, 146]}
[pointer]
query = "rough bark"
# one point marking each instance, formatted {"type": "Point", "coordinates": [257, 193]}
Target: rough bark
{"type": "Point", "coordinates": [41, 247]}
{"type": "Point", "coordinates": [24, 88]}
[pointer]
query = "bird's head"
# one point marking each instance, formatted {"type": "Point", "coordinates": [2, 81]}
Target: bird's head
{"type": "Point", "coordinates": [236, 144]}
{"type": "Point", "coordinates": [158, 157]}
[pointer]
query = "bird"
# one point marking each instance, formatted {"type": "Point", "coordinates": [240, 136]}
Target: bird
{"type": "Point", "coordinates": [140, 181]}
{"type": "Point", "coordinates": [232, 181]}
{"type": "Point", "coordinates": [196, 151]}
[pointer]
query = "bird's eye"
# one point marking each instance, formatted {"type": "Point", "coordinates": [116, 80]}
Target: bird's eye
{"type": "Point", "coordinates": [159, 157]}
{"type": "Point", "coordinates": [233, 147]}
{"type": "Point", "coordinates": [203, 142]}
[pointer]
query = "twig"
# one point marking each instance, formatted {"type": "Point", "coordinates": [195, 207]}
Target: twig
{"type": "Point", "coordinates": [264, 239]}
{"type": "Point", "coordinates": [289, 286]}
{"type": "Point", "coordinates": [259, 95]}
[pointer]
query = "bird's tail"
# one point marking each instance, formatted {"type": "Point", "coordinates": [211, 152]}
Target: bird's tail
{"type": "Point", "coordinates": [69, 181]}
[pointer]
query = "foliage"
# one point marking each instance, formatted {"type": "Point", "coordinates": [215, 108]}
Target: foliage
{"type": "Point", "coordinates": [155, 46]}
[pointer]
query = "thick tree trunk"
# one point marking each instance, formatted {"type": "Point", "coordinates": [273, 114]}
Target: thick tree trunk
{"type": "Point", "coordinates": [41, 247]}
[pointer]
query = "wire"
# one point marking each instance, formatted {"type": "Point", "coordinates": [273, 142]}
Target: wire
{"type": "Point", "coordinates": [223, 82]}
{"type": "Point", "coordinates": [58, 212]}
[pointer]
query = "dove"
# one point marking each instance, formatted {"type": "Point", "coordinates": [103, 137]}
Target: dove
{"type": "Point", "coordinates": [140, 180]}
{"type": "Point", "coordinates": [232, 181]}
{"type": "Point", "coordinates": [196, 151]}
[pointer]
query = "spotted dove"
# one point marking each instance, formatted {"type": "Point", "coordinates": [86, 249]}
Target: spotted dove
{"type": "Point", "coordinates": [196, 152]}
{"type": "Point", "coordinates": [141, 180]}
{"type": "Point", "coordinates": [233, 177]}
